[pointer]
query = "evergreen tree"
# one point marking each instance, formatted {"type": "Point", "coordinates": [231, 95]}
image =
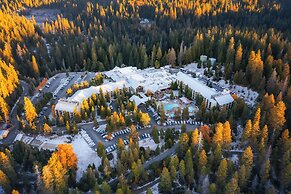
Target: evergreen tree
{"type": "Point", "coordinates": [155, 135]}
{"type": "Point", "coordinates": [202, 161]}
{"type": "Point", "coordinates": [100, 149]}
{"type": "Point", "coordinates": [165, 185]}
{"type": "Point", "coordinates": [189, 167]}
{"type": "Point", "coordinates": [247, 160]}
{"type": "Point", "coordinates": [232, 187]}
{"type": "Point", "coordinates": [222, 173]}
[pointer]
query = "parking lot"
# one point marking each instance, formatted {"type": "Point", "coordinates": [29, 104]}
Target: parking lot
{"type": "Point", "coordinates": [99, 134]}
{"type": "Point", "coordinates": [58, 85]}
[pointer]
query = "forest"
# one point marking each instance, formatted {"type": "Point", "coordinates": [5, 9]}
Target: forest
{"type": "Point", "coordinates": [250, 40]}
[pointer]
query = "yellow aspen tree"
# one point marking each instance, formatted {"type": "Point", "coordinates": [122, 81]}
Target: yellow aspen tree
{"type": "Point", "coordinates": [194, 138]}
{"type": "Point", "coordinates": [47, 129]}
{"type": "Point", "coordinates": [4, 109]}
{"type": "Point", "coordinates": [34, 66]}
{"type": "Point", "coordinates": [256, 122]}
{"type": "Point", "coordinates": [67, 156]}
{"type": "Point", "coordinates": [277, 119]}
{"type": "Point", "coordinates": [145, 119]}
{"type": "Point", "coordinates": [247, 130]}
{"type": "Point", "coordinates": [30, 112]}
{"type": "Point", "coordinates": [218, 137]}
{"type": "Point", "coordinates": [4, 182]}
{"type": "Point", "coordinates": [226, 134]}
{"type": "Point", "coordinates": [47, 179]}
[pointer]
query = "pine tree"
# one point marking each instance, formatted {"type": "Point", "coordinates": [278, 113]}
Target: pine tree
{"type": "Point", "coordinates": [189, 167]}
{"type": "Point", "coordinates": [165, 185]}
{"type": "Point", "coordinates": [202, 161]}
{"type": "Point", "coordinates": [173, 172]}
{"type": "Point", "coordinates": [155, 135]}
{"type": "Point", "coordinates": [238, 57]}
{"type": "Point", "coordinates": [222, 173]}
{"type": "Point", "coordinates": [182, 169]}
{"type": "Point", "coordinates": [256, 126]}
{"type": "Point", "coordinates": [105, 188]}
{"type": "Point", "coordinates": [247, 130]}
{"type": "Point", "coordinates": [136, 172]}
{"type": "Point", "coordinates": [247, 160]}
{"type": "Point", "coordinates": [242, 176]}
{"type": "Point", "coordinates": [100, 149]}
{"type": "Point", "coordinates": [183, 143]}
{"type": "Point", "coordinates": [265, 172]}
{"type": "Point", "coordinates": [68, 127]}
{"type": "Point", "coordinates": [277, 116]}
{"type": "Point", "coordinates": [149, 191]}
{"type": "Point", "coordinates": [172, 57]}
{"type": "Point", "coordinates": [106, 167]}
{"type": "Point", "coordinates": [212, 188]}
{"type": "Point", "coordinates": [232, 187]}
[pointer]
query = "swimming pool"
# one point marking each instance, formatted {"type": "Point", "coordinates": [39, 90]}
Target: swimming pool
{"type": "Point", "coordinates": [170, 106]}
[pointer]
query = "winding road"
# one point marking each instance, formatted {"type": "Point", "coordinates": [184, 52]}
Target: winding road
{"type": "Point", "coordinates": [13, 115]}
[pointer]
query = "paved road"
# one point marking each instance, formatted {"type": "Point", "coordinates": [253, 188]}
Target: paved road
{"type": "Point", "coordinates": [55, 84]}
{"type": "Point", "coordinates": [145, 187]}
{"type": "Point", "coordinates": [161, 156]}
{"type": "Point", "coordinates": [13, 119]}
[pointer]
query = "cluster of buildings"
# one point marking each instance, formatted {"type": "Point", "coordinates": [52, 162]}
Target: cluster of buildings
{"type": "Point", "coordinates": [143, 81]}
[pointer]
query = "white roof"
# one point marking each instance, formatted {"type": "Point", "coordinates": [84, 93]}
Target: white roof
{"type": "Point", "coordinates": [224, 99]}
{"type": "Point", "coordinates": [196, 85]}
{"type": "Point", "coordinates": [81, 95]}
{"type": "Point", "coordinates": [150, 79]}
{"type": "Point", "coordinates": [209, 93]}
{"type": "Point", "coordinates": [138, 100]}
{"type": "Point", "coordinates": [67, 105]}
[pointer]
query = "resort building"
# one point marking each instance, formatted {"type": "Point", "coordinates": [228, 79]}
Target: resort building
{"type": "Point", "coordinates": [212, 97]}
{"type": "Point", "coordinates": [74, 102]}
{"type": "Point", "coordinates": [146, 80]}
{"type": "Point", "coordinates": [140, 99]}
{"type": "Point", "coordinates": [65, 105]}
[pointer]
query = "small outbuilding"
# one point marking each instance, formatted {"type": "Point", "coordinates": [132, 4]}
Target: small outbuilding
{"type": "Point", "coordinates": [212, 61]}
{"type": "Point", "coordinates": [203, 58]}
